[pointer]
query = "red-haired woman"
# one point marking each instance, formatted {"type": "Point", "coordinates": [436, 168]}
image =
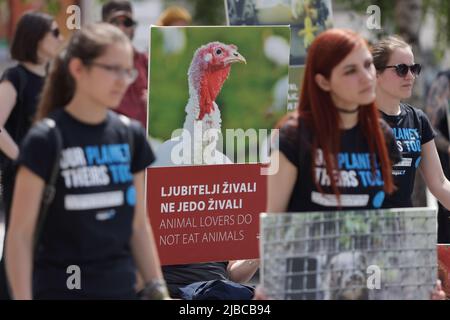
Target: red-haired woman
{"type": "Point", "coordinates": [336, 132]}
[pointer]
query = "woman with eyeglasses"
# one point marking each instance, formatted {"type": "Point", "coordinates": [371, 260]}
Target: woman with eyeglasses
{"type": "Point", "coordinates": [35, 43]}
{"type": "Point", "coordinates": [396, 73]}
{"type": "Point", "coordinates": [96, 234]}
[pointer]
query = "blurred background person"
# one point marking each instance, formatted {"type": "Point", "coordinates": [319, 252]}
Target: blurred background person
{"type": "Point", "coordinates": [36, 42]}
{"type": "Point", "coordinates": [134, 102]}
{"type": "Point", "coordinates": [174, 38]}
{"type": "Point", "coordinates": [437, 110]}
{"type": "Point", "coordinates": [175, 16]}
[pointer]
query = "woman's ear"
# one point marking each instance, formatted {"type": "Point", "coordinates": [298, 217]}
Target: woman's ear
{"type": "Point", "coordinates": [76, 68]}
{"type": "Point", "coordinates": [322, 82]}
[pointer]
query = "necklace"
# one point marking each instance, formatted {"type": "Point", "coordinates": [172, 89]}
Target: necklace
{"type": "Point", "coordinates": [348, 111]}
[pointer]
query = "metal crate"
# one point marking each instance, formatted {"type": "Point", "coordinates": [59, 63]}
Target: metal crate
{"type": "Point", "coordinates": [370, 254]}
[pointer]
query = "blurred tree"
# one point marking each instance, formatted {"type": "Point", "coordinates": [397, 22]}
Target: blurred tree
{"type": "Point", "coordinates": [405, 17]}
{"type": "Point", "coordinates": [209, 12]}
{"type": "Point", "coordinates": [50, 6]}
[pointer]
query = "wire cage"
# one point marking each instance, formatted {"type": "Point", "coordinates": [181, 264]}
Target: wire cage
{"type": "Point", "coordinates": [349, 255]}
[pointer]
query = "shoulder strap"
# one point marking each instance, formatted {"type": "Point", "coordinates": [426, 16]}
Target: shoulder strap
{"type": "Point", "coordinates": [49, 190]}
{"type": "Point", "coordinates": [22, 83]}
{"type": "Point", "coordinates": [19, 103]}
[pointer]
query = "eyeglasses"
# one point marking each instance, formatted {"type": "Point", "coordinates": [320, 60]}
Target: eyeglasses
{"type": "Point", "coordinates": [402, 69]}
{"type": "Point", "coordinates": [127, 22]}
{"type": "Point", "coordinates": [129, 74]}
{"type": "Point", "coordinates": [55, 32]}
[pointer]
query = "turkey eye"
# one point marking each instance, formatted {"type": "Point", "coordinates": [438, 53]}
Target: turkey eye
{"type": "Point", "coordinates": [218, 51]}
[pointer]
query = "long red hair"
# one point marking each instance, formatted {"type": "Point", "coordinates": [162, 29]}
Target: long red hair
{"type": "Point", "coordinates": [318, 111]}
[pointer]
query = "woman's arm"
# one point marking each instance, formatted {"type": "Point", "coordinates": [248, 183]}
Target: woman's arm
{"type": "Point", "coordinates": [142, 242]}
{"type": "Point", "coordinates": [19, 241]}
{"type": "Point", "coordinates": [242, 271]}
{"type": "Point", "coordinates": [433, 175]}
{"type": "Point", "coordinates": [8, 96]}
{"type": "Point", "coordinates": [281, 183]}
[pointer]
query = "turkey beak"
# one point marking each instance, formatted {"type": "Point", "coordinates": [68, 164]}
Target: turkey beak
{"type": "Point", "coordinates": [236, 57]}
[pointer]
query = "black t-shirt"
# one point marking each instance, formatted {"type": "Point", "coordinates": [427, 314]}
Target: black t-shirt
{"type": "Point", "coordinates": [359, 187]}
{"type": "Point", "coordinates": [177, 276]}
{"type": "Point", "coordinates": [442, 127]}
{"type": "Point", "coordinates": [21, 117]}
{"type": "Point", "coordinates": [89, 223]}
{"type": "Point", "coordinates": [411, 129]}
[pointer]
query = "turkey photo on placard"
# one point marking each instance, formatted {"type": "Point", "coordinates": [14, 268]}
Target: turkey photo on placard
{"type": "Point", "coordinates": [214, 96]}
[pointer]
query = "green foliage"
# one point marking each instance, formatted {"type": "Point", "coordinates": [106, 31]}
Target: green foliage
{"type": "Point", "coordinates": [440, 10]}
{"type": "Point", "coordinates": [209, 12]}
{"type": "Point", "coordinates": [51, 6]}
{"type": "Point", "coordinates": [387, 13]}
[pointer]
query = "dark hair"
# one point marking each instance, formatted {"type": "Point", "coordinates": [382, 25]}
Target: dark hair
{"type": "Point", "coordinates": [318, 111]}
{"type": "Point", "coordinates": [382, 50]}
{"type": "Point", "coordinates": [115, 5]}
{"type": "Point", "coordinates": [31, 29]}
{"type": "Point", "coordinates": [86, 44]}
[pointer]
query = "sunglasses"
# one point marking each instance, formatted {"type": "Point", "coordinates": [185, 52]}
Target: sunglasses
{"type": "Point", "coordinates": [402, 69]}
{"type": "Point", "coordinates": [126, 22]}
{"type": "Point", "coordinates": [55, 32]}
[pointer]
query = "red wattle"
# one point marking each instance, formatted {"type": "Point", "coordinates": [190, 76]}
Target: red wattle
{"type": "Point", "coordinates": [210, 85]}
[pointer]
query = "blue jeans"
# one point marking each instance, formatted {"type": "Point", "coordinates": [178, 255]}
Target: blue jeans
{"type": "Point", "coordinates": [216, 290]}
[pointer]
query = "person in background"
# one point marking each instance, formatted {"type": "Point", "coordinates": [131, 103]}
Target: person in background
{"type": "Point", "coordinates": [211, 280]}
{"type": "Point", "coordinates": [134, 102]}
{"type": "Point", "coordinates": [36, 42]}
{"type": "Point", "coordinates": [174, 16]}
{"type": "Point", "coordinates": [437, 110]}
